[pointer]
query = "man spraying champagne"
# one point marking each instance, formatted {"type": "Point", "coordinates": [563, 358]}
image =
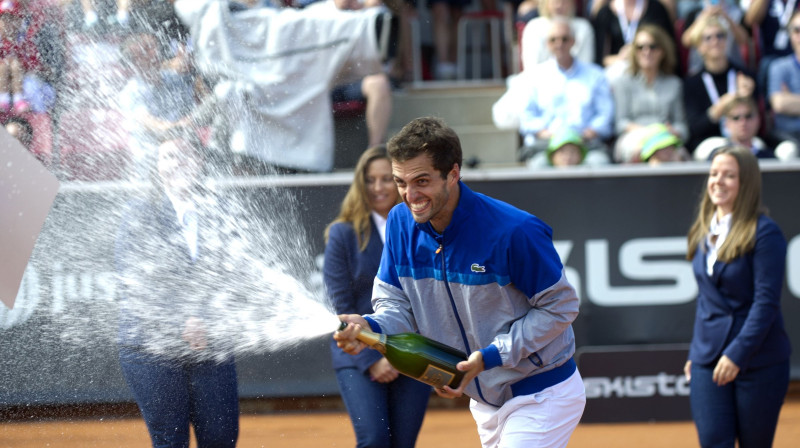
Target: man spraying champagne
{"type": "Point", "coordinates": [481, 276]}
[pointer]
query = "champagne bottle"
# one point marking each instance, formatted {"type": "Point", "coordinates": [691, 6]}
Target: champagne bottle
{"type": "Point", "coordinates": [416, 356]}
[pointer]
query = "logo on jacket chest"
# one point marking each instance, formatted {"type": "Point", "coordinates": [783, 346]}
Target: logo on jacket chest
{"type": "Point", "coordinates": [477, 268]}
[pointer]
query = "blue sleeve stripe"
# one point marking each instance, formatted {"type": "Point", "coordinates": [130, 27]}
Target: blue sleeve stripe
{"type": "Point", "coordinates": [455, 277]}
{"type": "Point", "coordinates": [491, 357]}
{"type": "Point", "coordinates": [373, 325]}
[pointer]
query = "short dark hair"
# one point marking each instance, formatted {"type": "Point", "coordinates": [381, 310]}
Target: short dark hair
{"type": "Point", "coordinates": [430, 136]}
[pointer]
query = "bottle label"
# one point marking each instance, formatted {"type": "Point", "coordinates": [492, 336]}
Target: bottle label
{"type": "Point", "coordinates": [436, 377]}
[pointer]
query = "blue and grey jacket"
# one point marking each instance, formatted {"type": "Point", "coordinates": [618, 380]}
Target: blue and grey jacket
{"type": "Point", "coordinates": [492, 281]}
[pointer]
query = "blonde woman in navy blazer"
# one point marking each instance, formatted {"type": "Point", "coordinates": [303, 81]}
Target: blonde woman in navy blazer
{"type": "Point", "coordinates": [386, 408]}
{"type": "Point", "coordinates": [739, 356]}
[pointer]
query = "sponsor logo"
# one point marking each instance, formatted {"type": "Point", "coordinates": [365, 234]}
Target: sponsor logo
{"type": "Point", "coordinates": [643, 386]}
{"type": "Point", "coordinates": [477, 268]}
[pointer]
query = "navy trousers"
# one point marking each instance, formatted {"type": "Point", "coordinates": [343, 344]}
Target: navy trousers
{"type": "Point", "coordinates": [385, 415]}
{"type": "Point", "coordinates": [746, 409]}
{"type": "Point", "coordinates": [172, 395]}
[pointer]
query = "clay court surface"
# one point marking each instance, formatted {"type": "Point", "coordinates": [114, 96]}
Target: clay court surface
{"type": "Point", "coordinates": [275, 425]}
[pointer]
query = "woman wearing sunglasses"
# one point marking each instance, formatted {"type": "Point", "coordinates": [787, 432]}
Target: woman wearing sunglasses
{"type": "Point", "coordinates": [647, 93]}
{"type": "Point", "coordinates": [708, 93]}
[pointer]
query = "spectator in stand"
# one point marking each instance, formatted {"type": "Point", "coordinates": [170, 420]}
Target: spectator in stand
{"type": "Point", "coordinates": [730, 15]}
{"type": "Point", "coordinates": [615, 26]}
{"type": "Point", "coordinates": [771, 18]}
{"type": "Point", "coordinates": [374, 89]}
{"type": "Point", "coordinates": [151, 99]}
{"type": "Point", "coordinates": [19, 57]}
{"type": "Point", "coordinates": [784, 86]}
{"type": "Point", "coordinates": [647, 93]}
{"type": "Point", "coordinates": [660, 145]}
{"type": "Point", "coordinates": [566, 149]}
{"type": "Point", "coordinates": [565, 93]}
{"type": "Point", "coordinates": [742, 124]}
{"type": "Point", "coordinates": [708, 93]}
{"type": "Point", "coordinates": [534, 36]}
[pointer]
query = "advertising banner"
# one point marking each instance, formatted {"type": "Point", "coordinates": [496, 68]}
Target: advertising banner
{"type": "Point", "coordinates": [620, 233]}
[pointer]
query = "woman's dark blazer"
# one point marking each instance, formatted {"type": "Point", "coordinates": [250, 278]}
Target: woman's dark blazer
{"type": "Point", "coordinates": [349, 274]}
{"type": "Point", "coordinates": [738, 308]}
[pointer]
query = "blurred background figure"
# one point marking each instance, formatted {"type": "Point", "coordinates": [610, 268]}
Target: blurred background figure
{"type": "Point", "coordinates": [742, 124]}
{"type": "Point", "coordinates": [647, 93]}
{"type": "Point", "coordinates": [534, 35]}
{"type": "Point", "coordinates": [615, 25]}
{"type": "Point", "coordinates": [375, 89]}
{"type": "Point", "coordinates": [709, 92]}
{"type": "Point", "coordinates": [771, 18]}
{"type": "Point", "coordinates": [660, 145]}
{"type": "Point", "coordinates": [171, 363]}
{"type": "Point", "coordinates": [784, 86]}
{"type": "Point", "coordinates": [565, 93]}
{"type": "Point", "coordinates": [729, 15]}
{"type": "Point", "coordinates": [445, 15]}
{"type": "Point", "coordinates": [19, 57]}
{"type": "Point", "coordinates": [385, 407]}
{"type": "Point", "coordinates": [152, 99]}
{"type": "Point", "coordinates": [567, 149]}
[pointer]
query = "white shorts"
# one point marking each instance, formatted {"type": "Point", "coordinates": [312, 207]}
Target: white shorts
{"type": "Point", "coordinates": [543, 419]}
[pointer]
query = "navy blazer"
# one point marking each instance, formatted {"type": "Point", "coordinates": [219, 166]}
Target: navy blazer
{"type": "Point", "coordinates": [349, 275]}
{"type": "Point", "coordinates": [739, 308]}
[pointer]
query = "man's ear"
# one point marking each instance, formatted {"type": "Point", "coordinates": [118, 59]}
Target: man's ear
{"type": "Point", "coordinates": [455, 172]}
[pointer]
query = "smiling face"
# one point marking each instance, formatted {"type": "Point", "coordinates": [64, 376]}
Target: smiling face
{"type": "Point", "coordinates": [381, 190]}
{"type": "Point", "coordinates": [425, 192]}
{"type": "Point", "coordinates": [723, 183]}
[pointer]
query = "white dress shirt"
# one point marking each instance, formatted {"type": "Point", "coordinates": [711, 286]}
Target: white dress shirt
{"type": "Point", "coordinates": [720, 229]}
{"type": "Point", "coordinates": [380, 223]}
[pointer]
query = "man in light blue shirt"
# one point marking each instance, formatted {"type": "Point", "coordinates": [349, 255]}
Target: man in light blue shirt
{"type": "Point", "coordinates": [784, 86]}
{"type": "Point", "coordinates": [566, 94]}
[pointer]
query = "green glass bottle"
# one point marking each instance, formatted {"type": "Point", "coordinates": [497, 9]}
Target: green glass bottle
{"type": "Point", "coordinates": [416, 356]}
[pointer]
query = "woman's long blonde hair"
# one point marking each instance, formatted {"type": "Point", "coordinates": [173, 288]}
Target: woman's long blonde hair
{"type": "Point", "coordinates": [355, 207]}
{"type": "Point", "coordinates": [746, 209]}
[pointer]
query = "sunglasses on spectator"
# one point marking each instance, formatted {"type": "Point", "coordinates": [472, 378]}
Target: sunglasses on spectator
{"type": "Point", "coordinates": [748, 116]}
{"type": "Point", "coordinates": [716, 36]}
{"type": "Point", "coordinates": [554, 39]}
{"type": "Point", "coordinates": [651, 47]}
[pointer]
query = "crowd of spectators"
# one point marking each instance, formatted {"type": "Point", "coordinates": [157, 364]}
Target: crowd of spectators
{"type": "Point", "coordinates": [95, 83]}
{"type": "Point", "coordinates": [704, 72]}
{"type": "Point", "coordinates": [106, 80]}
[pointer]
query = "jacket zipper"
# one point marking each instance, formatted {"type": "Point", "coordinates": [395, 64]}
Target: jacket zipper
{"type": "Point", "coordinates": [440, 251]}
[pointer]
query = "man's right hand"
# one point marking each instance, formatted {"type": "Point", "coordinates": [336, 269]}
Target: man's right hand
{"type": "Point", "coordinates": [346, 339]}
